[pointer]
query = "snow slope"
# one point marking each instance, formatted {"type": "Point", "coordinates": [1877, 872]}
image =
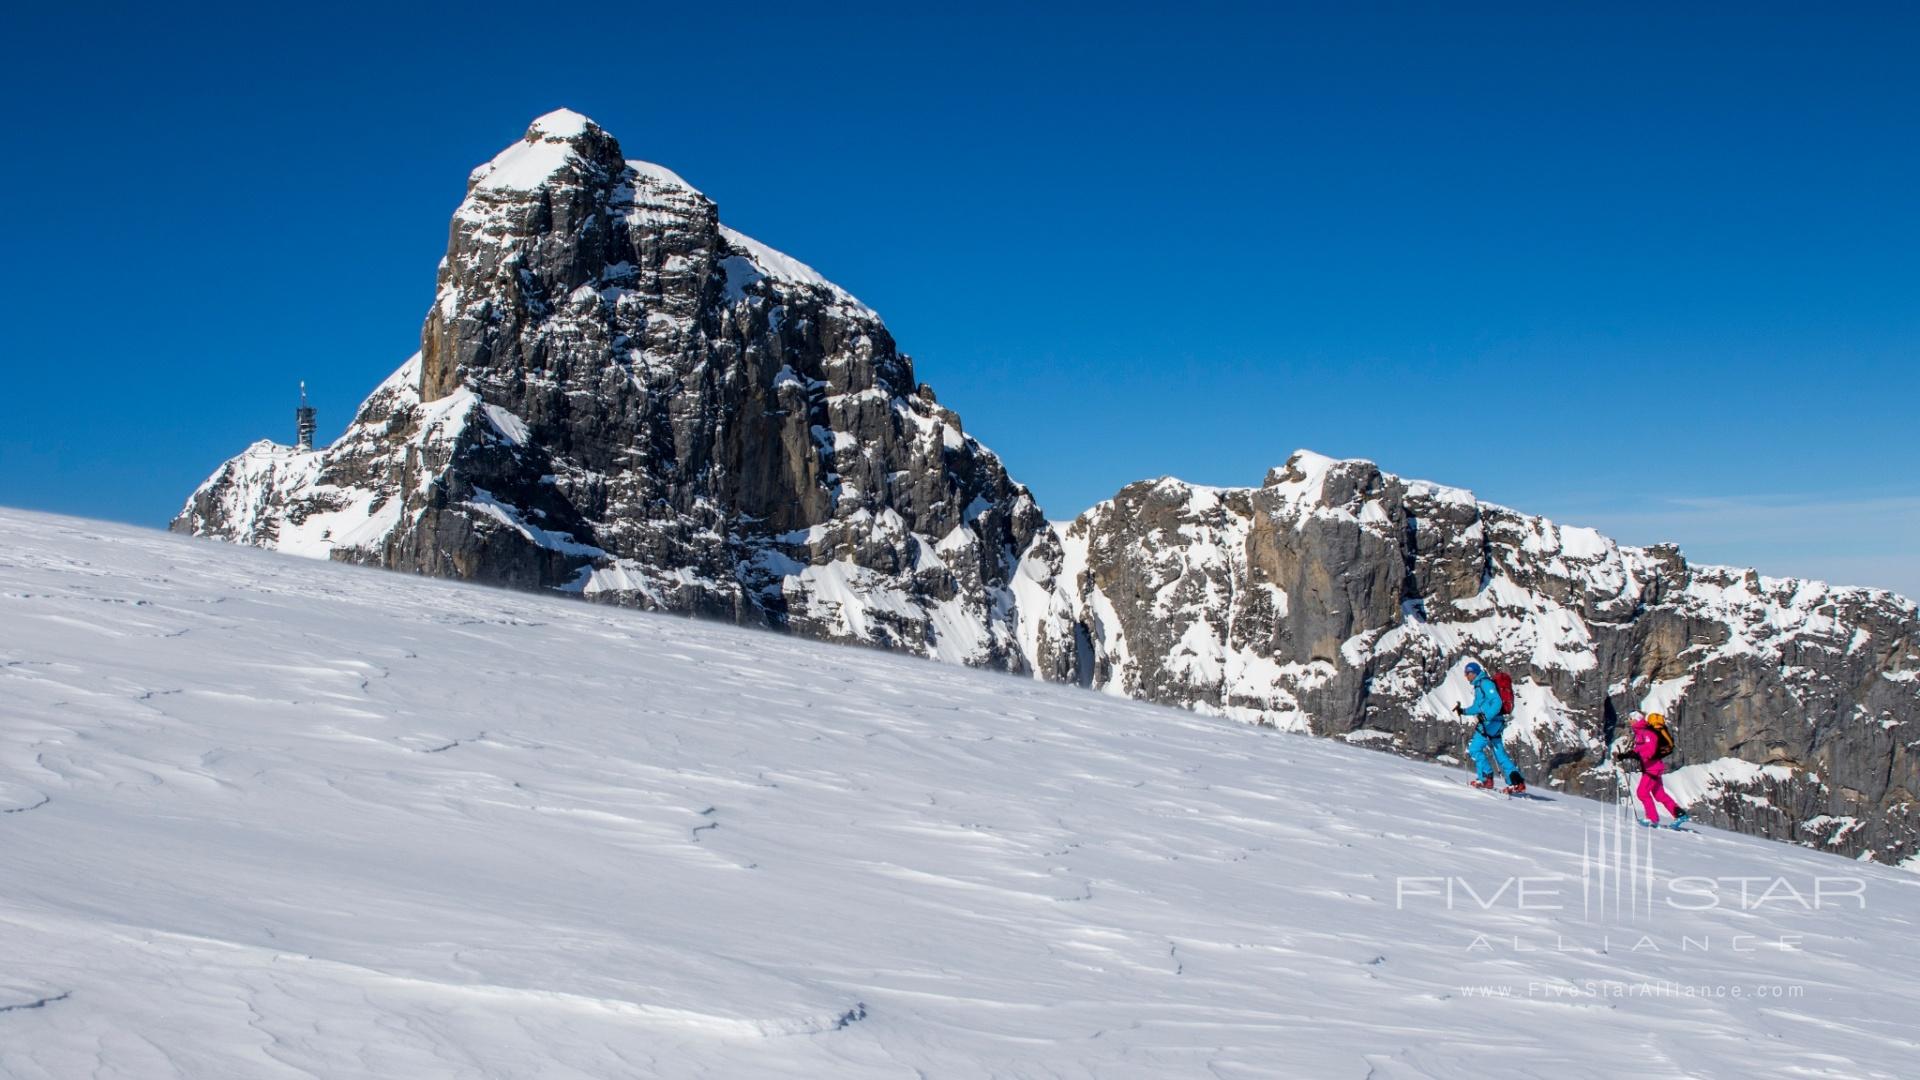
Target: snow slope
{"type": "Point", "coordinates": [270, 817]}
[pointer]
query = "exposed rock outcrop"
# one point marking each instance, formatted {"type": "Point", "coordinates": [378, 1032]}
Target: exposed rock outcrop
{"type": "Point", "coordinates": [1342, 600]}
{"type": "Point", "coordinates": [619, 397]}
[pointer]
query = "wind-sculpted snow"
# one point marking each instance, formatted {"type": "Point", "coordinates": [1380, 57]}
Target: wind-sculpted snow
{"type": "Point", "coordinates": [1344, 601]}
{"type": "Point", "coordinates": [296, 819]}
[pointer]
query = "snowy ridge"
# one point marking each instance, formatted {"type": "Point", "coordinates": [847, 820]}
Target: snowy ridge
{"type": "Point", "coordinates": [295, 501]}
{"type": "Point", "coordinates": [1343, 600]}
{"type": "Point", "coordinates": [783, 267]}
{"type": "Point", "coordinates": [1765, 615]}
{"type": "Point", "coordinates": [371, 825]}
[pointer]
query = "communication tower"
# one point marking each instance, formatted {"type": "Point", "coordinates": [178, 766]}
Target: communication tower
{"type": "Point", "coordinates": [303, 421]}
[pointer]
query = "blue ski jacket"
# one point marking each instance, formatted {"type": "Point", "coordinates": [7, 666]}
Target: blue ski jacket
{"type": "Point", "coordinates": [1486, 705]}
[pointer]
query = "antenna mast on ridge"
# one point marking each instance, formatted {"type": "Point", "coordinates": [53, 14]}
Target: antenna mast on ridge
{"type": "Point", "coordinates": [303, 421]}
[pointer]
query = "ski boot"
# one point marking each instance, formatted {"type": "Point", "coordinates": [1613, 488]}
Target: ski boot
{"type": "Point", "coordinates": [1484, 785]}
{"type": "Point", "coordinates": [1681, 821]}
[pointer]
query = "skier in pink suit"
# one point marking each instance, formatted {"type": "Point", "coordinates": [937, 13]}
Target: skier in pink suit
{"type": "Point", "coordinates": [1651, 744]}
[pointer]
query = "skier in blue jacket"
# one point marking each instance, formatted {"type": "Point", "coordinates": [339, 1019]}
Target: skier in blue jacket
{"type": "Point", "coordinates": [1490, 726]}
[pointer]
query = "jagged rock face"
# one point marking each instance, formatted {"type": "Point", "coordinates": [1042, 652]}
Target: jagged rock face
{"type": "Point", "coordinates": [616, 395]}
{"type": "Point", "coordinates": [1344, 601]}
{"type": "Point", "coordinates": [619, 397]}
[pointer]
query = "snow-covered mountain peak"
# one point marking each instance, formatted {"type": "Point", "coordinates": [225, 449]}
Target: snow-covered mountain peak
{"type": "Point", "coordinates": [1304, 477]}
{"type": "Point", "coordinates": [561, 143]}
{"type": "Point", "coordinates": [565, 150]}
{"type": "Point", "coordinates": [619, 397]}
{"type": "Point", "coordinates": [1304, 462]}
{"type": "Point", "coordinates": [560, 124]}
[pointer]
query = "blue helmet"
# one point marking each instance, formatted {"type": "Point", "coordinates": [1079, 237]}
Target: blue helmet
{"type": "Point", "coordinates": [1473, 669]}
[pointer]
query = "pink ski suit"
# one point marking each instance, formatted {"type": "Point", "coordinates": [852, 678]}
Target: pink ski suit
{"type": "Point", "coordinates": [1646, 743]}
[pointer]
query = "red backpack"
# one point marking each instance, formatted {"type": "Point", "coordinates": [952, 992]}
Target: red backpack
{"type": "Point", "coordinates": [1503, 682]}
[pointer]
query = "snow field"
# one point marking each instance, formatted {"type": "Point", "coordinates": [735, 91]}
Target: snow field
{"type": "Point", "coordinates": [269, 817]}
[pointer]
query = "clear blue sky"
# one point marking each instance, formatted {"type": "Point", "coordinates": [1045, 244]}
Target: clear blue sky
{"type": "Point", "coordinates": [1657, 274]}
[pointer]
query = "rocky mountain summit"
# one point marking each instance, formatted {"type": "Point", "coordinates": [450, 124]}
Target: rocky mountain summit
{"type": "Point", "coordinates": [619, 397]}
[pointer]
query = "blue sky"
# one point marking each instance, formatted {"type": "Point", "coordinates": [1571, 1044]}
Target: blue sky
{"type": "Point", "coordinates": [1656, 274]}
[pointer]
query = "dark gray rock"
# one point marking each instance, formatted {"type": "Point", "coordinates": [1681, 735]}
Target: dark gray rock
{"type": "Point", "coordinates": [620, 397]}
{"type": "Point", "coordinates": [1343, 601]}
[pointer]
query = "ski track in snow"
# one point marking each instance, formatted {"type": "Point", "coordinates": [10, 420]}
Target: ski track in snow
{"type": "Point", "coordinates": [294, 819]}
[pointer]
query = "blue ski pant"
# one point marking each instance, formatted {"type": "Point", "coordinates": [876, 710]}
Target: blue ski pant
{"type": "Point", "coordinates": [1477, 748]}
